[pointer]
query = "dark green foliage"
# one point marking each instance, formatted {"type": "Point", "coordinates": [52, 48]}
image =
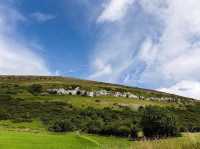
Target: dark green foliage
{"type": "Point", "coordinates": [4, 114]}
{"type": "Point", "coordinates": [188, 118]}
{"type": "Point", "coordinates": [35, 89]}
{"type": "Point", "coordinates": [63, 117]}
{"type": "Point", "coordinates": [9, 89]}
{"type": "Point", "coordinates": [95, 126]}
{"type": "Point", "coordinates": [62, 126]}
{"type": "Point", "coordinates": [158, 122]}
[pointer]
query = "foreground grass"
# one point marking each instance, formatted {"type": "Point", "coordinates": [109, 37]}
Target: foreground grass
{"type": "Point", "coordinates": [45, 140]}
{"type": "Point", "coordinates": [22, 140]}
{"type": "Point", "coordinates": [34, 136]}
{"type": "Point", "coordinates": [28, 140]}
{"type": "Point", "coordinates": [187, 141]}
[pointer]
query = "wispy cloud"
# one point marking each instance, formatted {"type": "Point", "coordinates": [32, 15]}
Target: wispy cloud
{"type": "Point", "coordinates": [184, 88]}
{"type": "Point", "coordinates": [115, 10]}
{"type": "Point", "coordinates": [152, 44]}
{"type": "Point", "coordinates": [16, 55]}
{"type": "Point", "coordinates": [42, 17]}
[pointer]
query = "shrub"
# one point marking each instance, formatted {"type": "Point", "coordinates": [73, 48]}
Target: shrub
{"type": "Point", "coordinates": [95, 126]}
{"type": "Point", "coordinates": [62, 126]}
{"type": "Point", "coordinates": [157, 122]}
{"type": "Point", "coordinates": [4, 114]}
{"type": "Point", "coordinates": [35, 89]}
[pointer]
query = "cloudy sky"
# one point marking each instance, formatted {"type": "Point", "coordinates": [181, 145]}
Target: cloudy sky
{"type": "Point", "coordinates": [145, 43]}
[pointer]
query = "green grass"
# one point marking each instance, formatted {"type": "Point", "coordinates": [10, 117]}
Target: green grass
{"type": "Point", "coordinates": [33, 135]}
{"type": "Point", "coordinates": [25, 140]}
{"type": "Point", "coordinates": [96, 102]}
{"type": "Point", "coordinates": [30, 140]}
{"type": "Point", "coordinates": [34, 126]}
{"type": "Point", "coordinates": [187, 141]}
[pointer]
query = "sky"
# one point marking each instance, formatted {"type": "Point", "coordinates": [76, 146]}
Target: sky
{"type": "Point", "coordinates": [149, 44]}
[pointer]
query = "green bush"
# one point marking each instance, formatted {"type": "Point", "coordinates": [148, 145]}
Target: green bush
{"type": "Point", "coordinates": [157, 122]}
{"type": "Point", "coordinates": [95, 126]}
{"type": "Point", "coordinates": [62, 126]}
{"type": "Point", "coordinates": [35, 89]}
{"type": "Point", "coordinates": [4, 114]}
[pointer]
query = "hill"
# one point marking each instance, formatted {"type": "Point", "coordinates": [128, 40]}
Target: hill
{"type": "Point", "coordinates": [50, 105]}
{"type": "Point", "coordinates": [66, 82]}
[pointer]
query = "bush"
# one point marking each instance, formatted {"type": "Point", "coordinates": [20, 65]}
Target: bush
{"type": "Point", "coordinates": [3, 114]}
{"type": "Point", "coordinates": [116, 130]}
{"type": "Point", "coordinates": [62, 126]}
{"type": "Point", "coordinates": [35, 89]}
{"type": "Point", "coordinates": [157, 122]}
{"type": "Point", "coordinates": [95, 126]}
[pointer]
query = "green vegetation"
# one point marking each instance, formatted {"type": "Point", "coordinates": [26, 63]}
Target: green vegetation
{"type": "Point", "coordinates": [24, 140]}
{"type": "Point", "coordinates": [59, 82]}
{"type": "Point", "coordinates": [158, 122]}
{"type": "Point", "coordinates": [30, 140]}
{"type": "Point", "coordinates": [63, 117]}
{"type": "Point", "coordinates": [32, 118]}
{"type": "Point", "coordinates": [35, 89]}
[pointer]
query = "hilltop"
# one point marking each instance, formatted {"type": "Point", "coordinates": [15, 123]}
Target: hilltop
{"type": "Point", "coordinates": [49, 82]}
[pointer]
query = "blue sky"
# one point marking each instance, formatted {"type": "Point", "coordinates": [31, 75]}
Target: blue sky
{"type": "Point", "coordinates": [151, 44]}
{"type": "Point", "coordinates": [66, 36]}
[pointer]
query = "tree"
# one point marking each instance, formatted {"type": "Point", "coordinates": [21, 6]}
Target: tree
{"type": "Point", "coordinates": [158, 122]}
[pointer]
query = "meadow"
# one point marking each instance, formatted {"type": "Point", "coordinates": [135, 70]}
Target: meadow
{"type": "Point", "coordinates": [45, 140]}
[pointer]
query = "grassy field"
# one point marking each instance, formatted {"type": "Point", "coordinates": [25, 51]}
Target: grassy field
{"type": "Point", "coordinates": [96, 102]}
{"type": "Point", "coordinates": [44, 140]}
{"type": "Point", "coordinates": [34, 136]}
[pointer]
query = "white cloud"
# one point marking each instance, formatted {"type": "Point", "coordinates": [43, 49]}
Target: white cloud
{"type": "Point", "coordinates": [42, 17]}
{"type": "Point", "coordinates": [178, 57]}
{"type": "Point", "coordinates": [108, 61]}
{"type": "Point", "coordinates": [115, 10]}
{"type": "Point", "coordinates": [184, 88]}
{"type": "Point", "coordinates": [101, 69]}
{"type": "Point", "coordinates": [157, 45]}
{"type": "Point", "coordinates": [17, 57]}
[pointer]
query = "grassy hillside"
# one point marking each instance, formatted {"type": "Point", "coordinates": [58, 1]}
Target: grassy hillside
{"type": "Point", "coordinates": [24, 103]}
{"type": "Point", "coordinates": [52, 82]}
{"type": "Point", "coordinates": [28, 118]}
